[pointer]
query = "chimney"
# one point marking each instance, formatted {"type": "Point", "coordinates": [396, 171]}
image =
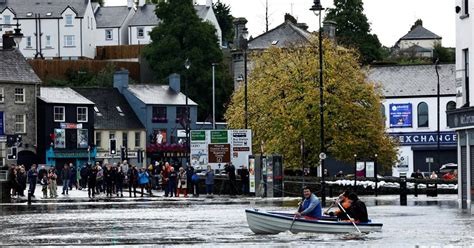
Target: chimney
{"type": "Point", "coordinates": [8, 41]}
{"type": "Point", "coordinates": [329, 30]}
{"type": "Point", "coordinates": [175, 82]}
{"type": "Point", "coordinates": [141, 3]}
{"type": "Point", "coordinates": [130, 4]}
{"type": "Point", "coordinates": [121, 80]}
{"type": "Point", "coordinates": [290, 18]}
{"type": "Point", "coordinates": [303, 26]}
{"type": "Point", "coordinates": [239, 25]}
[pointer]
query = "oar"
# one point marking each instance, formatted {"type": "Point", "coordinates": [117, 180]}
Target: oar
{"type": "Point", "coordinates": [294, 217]}
{"type": "Point", "coordinates": [349, 217]}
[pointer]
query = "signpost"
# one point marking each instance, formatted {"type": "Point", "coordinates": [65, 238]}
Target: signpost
{"type": "Point", "coordinates": [429, 161]}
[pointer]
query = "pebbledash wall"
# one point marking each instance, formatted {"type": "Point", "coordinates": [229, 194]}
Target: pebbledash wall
{"type": "Point", "coordinates": [461, 119]}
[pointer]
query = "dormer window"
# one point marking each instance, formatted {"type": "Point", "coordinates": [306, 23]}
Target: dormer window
{"type": "Point", "coordinates": [69, 20]}
{"type": "Point", "coordinates": [49, 14]}
{"type": "Point", "coordinates": [7, 20]}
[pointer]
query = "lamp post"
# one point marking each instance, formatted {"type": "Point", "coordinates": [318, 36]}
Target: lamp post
{"type": "Point", "coordinates": [317, 8]}
{"type": "Point", "coordinates": [243, 47]}
{"type": "Point", "coordinates": [17, 36]}
{"type": "Point", "coordinates": [355, 172]}
{"type": "Point", "coordinates": [187, 65]}
{"type": "Point", "coordinates": [438, 109]}
{"type": "Point", "coordinates": [375, 173]}
{"type": "Point", "coordinates": [214, 95]}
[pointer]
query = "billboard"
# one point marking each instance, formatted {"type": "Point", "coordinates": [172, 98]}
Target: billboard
{"type": "Point", "coordinates": [59, 138]}
{"type": "Point", "coordinates": [82, 138]}
{"type": "Point", "coordinates": [401, 115]}
{"type": "Point", "coordinates": [218, 147]}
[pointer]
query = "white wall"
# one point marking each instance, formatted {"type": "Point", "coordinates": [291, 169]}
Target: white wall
{"type": "Point", "coordinates": [101, 39]}
{"type": "Point", "coordinates": [464, 38]}
{"type": "Point", "coordinates": [133, 35]}
{"type": "Point", "coordinates": [404, 44]}
{"type": "Point", "coordinates": [88, 34]}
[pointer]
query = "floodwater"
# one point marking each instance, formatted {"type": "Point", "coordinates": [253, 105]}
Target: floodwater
{"type": "Point", "coordinates": [219, 223]}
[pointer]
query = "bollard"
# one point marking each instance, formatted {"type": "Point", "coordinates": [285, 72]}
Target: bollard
{"type": "Point", "coordinates": [416, 188]}
{"type": "Point", "coordinates": [403, 189]}
{"type": "Point", "coordinates": [432, 189]}
{"type": "Point", "coordinates": [29, 197]}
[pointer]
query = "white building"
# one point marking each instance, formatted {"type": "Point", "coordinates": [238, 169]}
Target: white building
{"type": "Point", "coordinates": [462, 119]}
{"type": "Point", "coordinates": [112, 24]}
{"type": "Point", "coordinates": [410, 108]}
{"type": "Point", "coordinates": [145, 19]}
{"type": "Point", "coordinates": [52, 28]}
{"type": "Point", "coordinates": [418, 42]}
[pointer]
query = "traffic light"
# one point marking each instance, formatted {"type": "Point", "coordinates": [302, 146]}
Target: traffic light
{"type": "Point", "coordinates": [140, 156]}
{"type": "Point", "coordinates": [113, 147]}
{"type": "Point", "coordinates": [13, 154]}
{"type": "Point", "coordinates": [123, 154]}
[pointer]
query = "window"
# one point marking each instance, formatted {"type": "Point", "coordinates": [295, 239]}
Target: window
{"type": "Point", "coordinates": [98, 139]}
{"type": "Point", "coordinates": [137, 139]}
{"type": "Point", "coordinates": [59, 114]}
{"type": "Point", "coordinates": [159, 115]}
{"type": "Point", "coordinates": [19, 95]}
{"type": "Point", "coordinates": [2, 95]}
{"type": "Point", "coordinates": [465, 53]}
{"type": "Point", "coordinates": [20, 123]}
{"type": "Point", "coordinates": [68, 20]}
{"type": "Point", "coordinates": [423, 115]}
{"type": "Point", "coordinates": [382, 111]}
{"type": "Point", "coordinates": [140, 33]}
{"type": "Point", "coordinates": [451, 105]}
{"type": "Point", "coordinates": [68, 40]}
{"type": "Point", "coordinates": [108, 34]}
{"type": "Point", "coordinates": [28, 41]}
{"type": "Point", "coordinates": [125, 139]}
{"type": "Point", "coordinates": [82, 114]}
{"type": "Point", "coordinates": [7, 20]}
{"type": "Point", "coordinates": [48, 40]}
{"type": "Point", "coordinates": [180, 114]}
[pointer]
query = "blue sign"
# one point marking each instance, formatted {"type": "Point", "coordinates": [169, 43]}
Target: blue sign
{"type": "Point", "coordinates": [400, 115]}
{"type": "Point", "coordinates": [2, 127]}
{"type": "Point", "coordinates": [425, 138]}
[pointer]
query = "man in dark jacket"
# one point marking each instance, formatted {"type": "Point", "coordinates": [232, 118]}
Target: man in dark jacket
{"type": "Point", "coordinates": [132, 180]}
{"type": "Point", "coordinates": [109, 176]}
{"type": "Point", "coordinates": [230, 170]}
{"type": "Point", "coordinates": [83, 172]}
{"type": "Point", "coordinates": [189, 181]}
{"type": "Point", "coordinates": [32, 178]}
{"type": "Point", "coordinates": [65, 175]}
{"type": "Point", "coordinates": [244, 176]}
{"type": "Point", "coordinates": [353, 207]}
{"type": "Point", "coordinates": [91, 173]}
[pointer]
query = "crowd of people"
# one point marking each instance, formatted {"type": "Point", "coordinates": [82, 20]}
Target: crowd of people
{"type": "Point", "coordinates": [110, 180]}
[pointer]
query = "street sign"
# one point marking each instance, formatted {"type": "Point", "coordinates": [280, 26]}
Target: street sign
{"type": "Point", "coordinates": [429, 160]}
{"type": "Point", "coordinates": [322, 156]}
{"type": "Point", "coordinates": [219, 153]}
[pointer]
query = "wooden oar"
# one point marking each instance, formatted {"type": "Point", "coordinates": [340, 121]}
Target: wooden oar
{"type": "Point", "coordinates": [294, 217]}
{"type": "Point", "coordinates": [349, 217]}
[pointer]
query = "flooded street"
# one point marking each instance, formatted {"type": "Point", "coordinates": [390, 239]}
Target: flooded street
{"type": "Point", "coordinates": [223, 223]}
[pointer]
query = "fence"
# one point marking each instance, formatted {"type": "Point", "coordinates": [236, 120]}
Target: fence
{"type": "Point", "coordinates": [58, 69]}
{"type": "Point", "coordinates": [118, 52]}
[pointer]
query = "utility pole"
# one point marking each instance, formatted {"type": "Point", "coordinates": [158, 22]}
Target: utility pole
{"type": "Point", "coordinates": [266, 16]}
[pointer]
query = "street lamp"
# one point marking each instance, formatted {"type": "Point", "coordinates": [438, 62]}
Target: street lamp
{"type": "Point", "coordinates": [317, 9]}
{"type": "Point", "coordinates": [187, 65]}
{"type": "Point", "coordinates": [438, 109]}
{"type": "Point", "coordinates": [355, 172]}
{"type": "Point", "coordinates": [214, 95]}
{"type": "Point", "coordinates": [243, 47]}
{"type": "Point", "coordinates": [375, 172]}
{"type": "Point", "coordinates": [17, 36]}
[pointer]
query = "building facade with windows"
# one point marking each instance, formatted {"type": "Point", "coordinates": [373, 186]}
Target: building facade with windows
{"type": "Point", "coordinates": [145, 19]}
{"type": "Point", "coordinates": [411, 114]}
{"type": "Point", "coordinates": [461, 119]}
{"type": "Point", "coordinates": [19, 86]}
{"type": "Point", "coordinates": [52, 28]}
{"type": "Point", "coordinates": [66, 127]}
{"type": "Point", "coordinates": [162, 111]}
{"type": "Point", "coordinates": [115, 119]}
{"type": "Point", "coordinates": [112, 24]}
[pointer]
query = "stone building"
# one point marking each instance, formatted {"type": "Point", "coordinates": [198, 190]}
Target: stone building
{"type": "Point", "coordinates": [18, 90]}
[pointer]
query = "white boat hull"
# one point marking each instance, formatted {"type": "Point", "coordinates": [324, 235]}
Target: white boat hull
{"type": "Point", "coordinates": [261, 222]}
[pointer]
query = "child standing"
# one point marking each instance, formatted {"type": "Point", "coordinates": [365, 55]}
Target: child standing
{"type": "Point", "coordinates": [44, 183]}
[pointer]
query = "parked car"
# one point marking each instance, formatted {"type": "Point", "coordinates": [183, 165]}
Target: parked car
{"type": "Point", "coordinates": [451, 167]}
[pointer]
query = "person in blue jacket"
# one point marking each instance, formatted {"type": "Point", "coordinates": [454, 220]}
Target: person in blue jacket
{"type": "Point", "coordinates": [143, 179]}
{"type": "Point", "coordinates": [311, 206]}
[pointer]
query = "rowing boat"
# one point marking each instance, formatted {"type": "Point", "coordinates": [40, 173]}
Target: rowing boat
{"type": "Point", "coordinates": [263, 222]}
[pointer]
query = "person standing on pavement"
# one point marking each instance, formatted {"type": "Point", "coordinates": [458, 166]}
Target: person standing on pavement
{"type": "Point", "coordinates": [99, 179]}
{"type": "Point", "coordinates": [189, 182]}
{"type": "Point", "coordinates": [133, 180]}
{"type": "Point", "coordinates": [52, 183]}
{"type": "Point", "coordinates": [42, 172]}
{"type": "Point", "coordinates": [230, 170]}
{"type": "Point", "coordinates": [91, 173]}
{"type": "Point", "coordinates": [209, 181]}
{"type": "Point", "coordinates": [72, 177]}
{"type": "Point", "coordinates": [182, 182]}
{"type": "Point", "coordinates": [21, 178]}
{"type": "Point", "coordinates": [32, 179]}
{"type": "Point", "coordinates": [173, 176]}
{"type": "Point", "coordinates": [83, 172]}
{"type": "Point", "coordinates": [108, 178]}
{"type": "Point", "coordinates": [44, 184]}
{"type": "Point", "coordinates": [143, 179]}
{"type": "Point", "coordinates": [119, 179]}
{"type": "Point", "coordinates": [244, 177]}
{"type": "Point", "coordinates": [65, 175]}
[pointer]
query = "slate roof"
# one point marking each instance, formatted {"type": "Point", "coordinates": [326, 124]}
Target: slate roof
{"type": "Point", "coordinates": [158, 95]}
{"type": "Point", "coordinates": [285, 34]}
{"type": "Point", "coordinates": [420, 33]}
{"type": "Point", "coordinates": [42, 7]}
{"type": "Point", "coordinates": [63, 95]}
{"type": "Point", "coordinates": [15, 69]}
{"type": "Point", "coordinates": [112, 16]}
{"type": "Point", "coordinates": [414, 80]}
{"type": "Point", "coordinates": [108, 117]}
{"type": "Point", "coordinates": [145, 15]}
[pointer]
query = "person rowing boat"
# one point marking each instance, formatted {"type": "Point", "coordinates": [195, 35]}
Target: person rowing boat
{"type": "Point", "coordinates": [311, 206]}
{"type": "Point", "coordinates": [353, 206]}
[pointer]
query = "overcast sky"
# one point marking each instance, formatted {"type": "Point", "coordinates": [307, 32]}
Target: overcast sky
{"type": "Point", "coordinates": [390, 19]}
